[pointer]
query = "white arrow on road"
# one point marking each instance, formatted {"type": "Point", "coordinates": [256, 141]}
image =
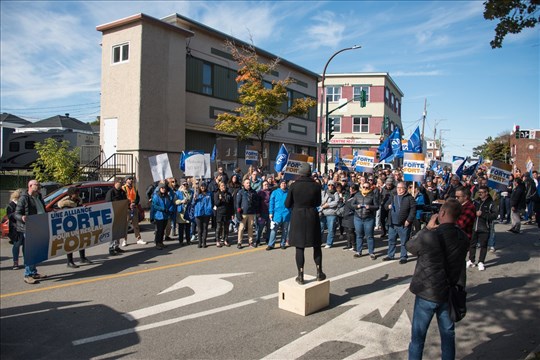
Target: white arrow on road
{"type": "Point", "coordinates": [204, 287]}
{"type": "Point", "coordinates": [376, 339]}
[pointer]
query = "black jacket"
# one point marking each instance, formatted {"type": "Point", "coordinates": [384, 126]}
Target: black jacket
{"type": "Point", "coordinates": [430, 280]}
{"type": "Point", "coordinates": [223, 200]}
{"type": "Point", "coordinates": [247, 201]}
{"type": "Point", "coordinates": [26, 206]}
{"type": "Point", "coordinates": [517, 199]}
{"type": "Point", "coordinates": [482, 223]}
{"type": "Point", "coordinates": [407, 211]}
{"type": "Point", "coordinates": [303, 198]}
{"type": "Point", "coordinates": [115, 195]}
{"type": "Point", "coordinates": [370, 204]}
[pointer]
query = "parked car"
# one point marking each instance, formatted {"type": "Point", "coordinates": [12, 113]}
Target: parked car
{"type": "Point", "coordinates": [90, 192]}
{"type": "Point", "coordinates": [5, 226]}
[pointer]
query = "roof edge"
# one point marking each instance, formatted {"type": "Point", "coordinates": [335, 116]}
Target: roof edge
{"type": "Point", "coordinates": [140, 17]}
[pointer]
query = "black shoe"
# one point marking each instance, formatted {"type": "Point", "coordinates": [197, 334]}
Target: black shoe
{"type": "Point", "coordinates": [373, 256]}
{"type": "Point", "coordinates": [384, 236]}
{"type": "Point", "coordinates": [387, 259]}
{"type": "Point", "coordinates": [239, 246]}
{"type": "Point", "coordinates": [86, 261]}
{"type": "Point", "coordinates": [268, 248]}
{"type": "Point", "coordinates": [300, 279]}
{"type": "Point", "coordinates": [168, 238]}
{"type": "Point", "coordinates": [403, 261]}
{"type": "Point", "coordinates": [72, 265]}
{"type": "Point", "coordinates": [283, 247]}
{"type": "Point", "coordinates": [321, 276]}
{"type": "Point", "coordinates": [256, 245]}
{"type": "Point", "coordinates": [112, 252]}
{"type": "Point", "coordinates": [357, 255]}
{"type": "Point", "coordinates": [118, 250]}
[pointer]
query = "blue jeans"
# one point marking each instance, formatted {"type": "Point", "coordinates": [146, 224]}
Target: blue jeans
{"type": "Point", "coordinates": [261, 226]}
{"type": "Point", "coordinates": [393, 232]}
{"type": "Point", "coordinates": [491, 240]}
{"type": "Point", "coordinates": [284, 233]}
{"type": "Point", "coordinates": [423, 313]}
{"type": "Point", "coordinates": [364, 227]}
{"type": "Point", "coordinates": [530, 212]}
{"type": "Point", "coordinates": [29, 269]}
{"type": "Point", "coordinates": [329, 221]}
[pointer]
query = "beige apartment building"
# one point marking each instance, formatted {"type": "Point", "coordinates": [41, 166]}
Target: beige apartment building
{"type": "Point", "coordinates": [356, 127]}
{"type": "Point", "coordinates": [164, 81]}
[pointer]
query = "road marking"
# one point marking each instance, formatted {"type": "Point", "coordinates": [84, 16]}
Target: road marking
{"type": "Point", "coordinates": [141, 328]}
{"type": "Point", "coordinates": [115, 276]}
{"type": "Point", "coordinates": [374, 339]}
{"type": "Point", "coordinates": [204, 287]}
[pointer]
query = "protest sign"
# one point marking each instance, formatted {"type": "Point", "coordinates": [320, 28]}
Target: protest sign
{"type": "Point", "coordinates": [365, 160]}
{"type": "Point", "coordinates": [160, 167]}
{"type": "Point", "coordinates": [252, 156]}
{"type": "Point", "coordinates": [414, 167]}
{"type": "Point", "coordinates": [499, 175]}
{"type": "Point", "coordinates": [65, 231]}
{"type": "Point", "coordinates": [294, 162]}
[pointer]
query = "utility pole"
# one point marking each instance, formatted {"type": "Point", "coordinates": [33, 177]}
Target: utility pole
{"type": "Point", "coordinates": [424, 119]}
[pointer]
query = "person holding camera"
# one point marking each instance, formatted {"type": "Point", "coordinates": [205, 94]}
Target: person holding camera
{"type": "Point", "coordinates": [441, 248]}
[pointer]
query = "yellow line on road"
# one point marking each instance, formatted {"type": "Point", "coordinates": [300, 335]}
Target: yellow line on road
{"type": "Point", "coordinates": [115, 276]}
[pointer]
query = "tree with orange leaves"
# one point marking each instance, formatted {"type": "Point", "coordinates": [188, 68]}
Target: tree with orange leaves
{"type": "Point", "coordinates": [262, 108]}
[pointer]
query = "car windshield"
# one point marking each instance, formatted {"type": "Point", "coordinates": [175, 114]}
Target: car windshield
{"type": "Point", "coordinates": [54, 195]}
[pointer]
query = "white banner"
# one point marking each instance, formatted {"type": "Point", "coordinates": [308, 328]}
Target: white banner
{"type": "Point", "coordinates": [160, 167]}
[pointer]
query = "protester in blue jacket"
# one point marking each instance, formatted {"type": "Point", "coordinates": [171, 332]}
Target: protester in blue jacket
{"type": "Point", "coordinates": [163, 208]}
{"type": "Point", "coordinates": [203, 212]}
{"type": "Point", "coordinates": [279, 214]}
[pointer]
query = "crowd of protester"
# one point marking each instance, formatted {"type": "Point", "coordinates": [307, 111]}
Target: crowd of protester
{"type": "Point", "coordinates": [356, 208]}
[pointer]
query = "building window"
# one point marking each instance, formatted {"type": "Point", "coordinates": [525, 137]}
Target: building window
{"type": "Point", "coordinates": [357, 90]}
{"type": "Point", "coordinates": [207, 79]}
{"type": "Point", "coordinates": [289, 99]}
{"type": "Point", "coordinates": [387, 96]}
{"type": "Point", "coordinates": [337, 123]}
{"type": "Point", "coordinates": [333, 93]}
{"type": "Point", "coordinates": [29, 145]}
{"type": "Point", "coordinates": [392, 103]}
{"type": "Point", "coordinates": [120, 53]}
{"type": "Point", "coordinates": [14, 146]}
{"type": "Point", "coordinates": [360, 124]}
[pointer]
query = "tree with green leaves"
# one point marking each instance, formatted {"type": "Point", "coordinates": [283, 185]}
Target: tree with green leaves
{"type": "Point", "coordinates": [494, 148]}
{"type": "Point", "coordinates": [262, 107]}
{"type": "Point", "coordinates": [56, 162]}
{"type": "Point", "coordinates": [513, 16]}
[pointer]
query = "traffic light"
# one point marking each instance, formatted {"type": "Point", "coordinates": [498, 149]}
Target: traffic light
{"type": "Point", "coordinates": [330, 128]}
{"type": "Point", "coordinates": [517, 132]}
{"type": "Point", "coordinates": [324, 147]}
{"type": "Point", "coordinates": [363, 98]}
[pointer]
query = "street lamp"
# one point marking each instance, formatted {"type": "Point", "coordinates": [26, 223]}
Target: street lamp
{"type": "Point", "coordinates": [323, 92]}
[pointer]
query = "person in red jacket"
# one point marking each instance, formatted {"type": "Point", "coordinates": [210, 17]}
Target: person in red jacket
{"type": "Point", "coordinates": [468, 212]}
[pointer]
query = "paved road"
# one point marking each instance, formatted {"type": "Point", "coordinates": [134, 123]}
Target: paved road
{"type": "Point", "coordinates": [221, 303]}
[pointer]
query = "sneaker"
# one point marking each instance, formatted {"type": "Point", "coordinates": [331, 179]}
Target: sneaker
{"type": "Point", "coordinates": [15, 265]}
{"type": "Point", "coordinates": [352, 249]}
{"type": "Point", "coordinates": [124, 243]}
{"type": "Point", "coordinates": [118, 250]}
{"type": "Point", "coordinates": [328, 246]}
{"type": "Point", "coordinates": [239, 246]}
{"type": "Point", "coordinates": [112, 252]}
{"type": "Point", "coordinates": [492, 249]}
{"type": "Point", "coordinates": [403, 261]}
{"type": "Point", "coordinates": [372, 256]}
{"type": "Point", "coordinates": [481, 266]}
{"type": "Point", "coordinates": [283, 247]}
{"type": "Point", "coordinates": [141, 242]}
{"type": "Point", "coordinates": [346, 248]}
{"type": "Point", "coordinates": [268, 248]}
{"type": "Point", "coordinates": [387, 259]}
{"type": "Point", "coordinates": [30, 280]}
{"type": "Point", "coordinates": [86, 261]}
{"type": "Point", "coordinates": [470, 264]}
{"type": "Point", "coordinates": [357, 254]}
{"type": "Point", "coordinates": [39, 276]}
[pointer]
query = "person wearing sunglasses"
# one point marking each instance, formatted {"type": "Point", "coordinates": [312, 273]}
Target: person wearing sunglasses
{"type": "Point", "coordinates": [365, 204]}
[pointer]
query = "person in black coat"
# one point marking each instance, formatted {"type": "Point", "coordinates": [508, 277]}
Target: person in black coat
{"type": "Point", "coordinates": [441, 251]}
{"type": "Point", "coordinates": [348, 218]}
{"type": "Point", "coordinates": [223, 201]}
{"type": "Point", "coordinates": [303, 199]}
{"type": "Point", "coordinates": [517, 204]}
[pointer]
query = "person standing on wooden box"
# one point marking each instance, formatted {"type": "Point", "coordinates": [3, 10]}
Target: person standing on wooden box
{"type": "Point", "coordinates": [303, 199]}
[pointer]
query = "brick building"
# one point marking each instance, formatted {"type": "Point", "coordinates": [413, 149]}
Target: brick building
{"type": "Point", "coordinates": [524, 147]}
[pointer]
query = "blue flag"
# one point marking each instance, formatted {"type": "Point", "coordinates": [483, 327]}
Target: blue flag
{"type": "Point", "coordinates": [355, 156]}
{"type": "Point", "coordinates": [385, 149]}
{"type": "Point", "coordinates": [395, 140]}
{"type": "Point", "coordinates": [336, 158]}
{"type": "Point", "coordinates": [281, 159]}
{"type": "Point", "coordinates": [185, 155]}
{"type": "Point", "coordinates": [459, 170]}
{"type": "Point", "coordinates": [214, 153]}
{"type": "Point", "coordinates": [414, 144]}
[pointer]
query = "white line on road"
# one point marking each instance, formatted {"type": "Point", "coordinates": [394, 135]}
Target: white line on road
{"type": "Point", "coordinates": [138, 329]}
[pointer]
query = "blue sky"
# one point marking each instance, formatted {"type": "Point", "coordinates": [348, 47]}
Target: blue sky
{"type": "Point", "coordinates": [439, 51]}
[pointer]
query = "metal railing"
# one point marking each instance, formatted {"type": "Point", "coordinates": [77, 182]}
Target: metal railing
{"type": "Point", "coordinates": [116, 165]}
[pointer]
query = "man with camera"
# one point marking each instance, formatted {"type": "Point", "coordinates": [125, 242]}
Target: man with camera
{"type": "Point", "coordinates": [441, 248]}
